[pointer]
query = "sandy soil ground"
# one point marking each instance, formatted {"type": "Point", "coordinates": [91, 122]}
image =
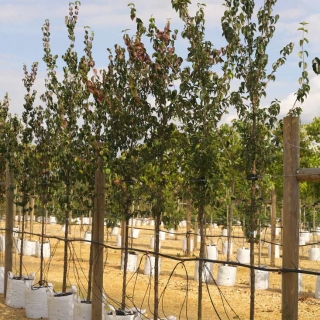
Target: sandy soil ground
{"type": "Point", "coordinates": [178, 289]}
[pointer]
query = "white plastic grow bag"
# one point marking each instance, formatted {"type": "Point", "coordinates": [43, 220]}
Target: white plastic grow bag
{"type": "Point", "coordinates": [226, 275]}
{"type": "Point", "coordinates": [317, 292]}
{"type": "Point", "coordinates": [1, 279]}
{"type": "Point", "coordinates": [132, 262]}
{"type": "Point", "coordinates": [149, 265]}
{"type": "Point", "coordinates": [46, 249]}
{"type": "Point", "coordinates": [2, 243]}
{"type": "Point", "coordinates": [83, 310]}
{"type": "Point", "coordinates": [243, 255]}
{"type": "Point", "coordinates": [185, 244]}
{"type": "Point", "coordinates": [207, 271]}
{"type": "Point", "coordinates": [36, 300]}
{"type": "Point", "coordinates": [128, 314]}
{"type": "Point", "coordinates": [276, 250]}
{"type": "Point", "coordinates": [225, 247]}
{"type": "Point", "coordinates": [15, 297]}
{"type": "Point", "coordinates": [60, 305]}
{"type": "Point", "coordinates": [212, 252]}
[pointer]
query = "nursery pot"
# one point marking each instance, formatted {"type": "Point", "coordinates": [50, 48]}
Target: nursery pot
{"type": "Point", "coordinates": [46, 249]}
{"type": "Point", "coordinates": [314, 254]}
{"type": "Point", "coordinates": [60, 305]}
{"type": "Point", "coordinates": [261, 279]}
{"type": "Point", "coordinates": [225, 247]}
{"type": "Point", "coordinates": [131, 263]}
{"type": "Point", "coordinates": [149, 265]}
{"type": "Point", "coordinates": [36, 300]}
{"type": "Point", "coordinates": [317, 292]}
{"type": "Point", "coordinates": [226, 275]}
{"type": "Point", "coordinates": [135, 233]}
{"type": "Point", "coordinates": [212, 252]}
{"type": "Point", "coordinates": [15, 297]}
{"type": "Point", "coordinates": [243, 255]}
{"type": "Point", "coordinates": [276, 251]}
{"type": "Point", "coordinates": [1, 279]}
{"type": "Point", "coordinates": [185, 244]}
{"type": "Point", "coordinates": [207, 271]}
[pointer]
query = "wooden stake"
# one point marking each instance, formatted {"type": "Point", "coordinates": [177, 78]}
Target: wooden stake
{"type": "Point", "coordinates": [291, 196]}
{"type": "Point", "coordinates": [97, 242]}
{"type": "Point", "coordinates": [273, 226]}
{"type": "Point", "coordinates": [9, 225]}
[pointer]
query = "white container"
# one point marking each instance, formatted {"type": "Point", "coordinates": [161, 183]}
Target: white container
{"type": "Point", "coordinates": [212, 252]}
{"type": "Point", "coordinates": [149, 266]}
{"type": "Point", "coordinates": [225, 247]}
{"type": "Point", "coordinates": [318, 231]}
{"type": "Point", "coordinates": [60, 305]}
{"type": "Point", "coordinates": [276, 251]}
{"type": "Point", "coordinates": [151, 223]}
{"type": "Point", "coordinates": [261, 279]}
{"type": "Point", "coordinates": [226, 275]}
{"type": "Point", "coordinates": [207, 272]}
{"type": "Point", "coordinates": [132, 222]}
{"type": "Point", "coordinates": [15, 231]}
{"type": "Point", "coordinates": [87, 237]}
{"type": "Point", "coordinates": [153, 243]}
{"type": "Point", "coordinates": [36, 301]}
{"type": "Point", "coordinates": [185, 244]}
{"type": "Point", "coordinates": [144, 222]}
{"type": "Point", "coordinates": [224, 232]}
{"type": "Point", "coordinates": [52, 220]}
{"type": "Point", "coordinates": [138, 223]}
{"type": "Point", "coordinates": [314, 254]}
{"type": "Point", "coordinates": [115, 231]}
{"type": "Point", "coordinates": [131, 263]}
{"type": "Point", "coordinates": [15, 297]}
{"type": "Point", "coordinates": [46, 249]}
{"type": "Point", "coordinates": [63, 228]}
{"type": "Point", "coordinates": [29, 248]}
{"type": "Point", "coordinates": [162, 235]}
{"type": "Point", "coordinates": [299, 282]}
{"type": "Point", "coordinates": [183, 224]}
{"type": "Point", "coordinates": [118, 243]}
{"type": "Point", "coordinates": [305, 235]}
{"type": "Point", "coordinates": [82, 310]}
{"type": "Point", "coordinates": [2, 243]}
{"type": "Point", "coordinates": [135, 233]}
{"type": "Point", "coordinates": [243, 255]}
{"type": "Point", "coordinates": [301, 242]}
{"type": "Point", "coordinates": [1, 279]}
{"type": "Point", "coordinates": [86, 220]}
{"type": "Point", "coordinates": [317, 292]}
{"type": "Point", "coordinates": [171, 232]}
{"type": "Point", "coordinates": [215, 226]}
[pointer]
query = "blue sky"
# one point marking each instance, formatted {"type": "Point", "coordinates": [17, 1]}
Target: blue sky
{"type": "Point", "coordinates": [21, 40]}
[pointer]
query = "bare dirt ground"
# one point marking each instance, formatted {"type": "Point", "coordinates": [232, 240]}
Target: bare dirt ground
{"type": "Point", "coordinates": [178, 289]}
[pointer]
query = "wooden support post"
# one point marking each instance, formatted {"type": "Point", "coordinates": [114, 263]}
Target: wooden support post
{"type": "Point", "coordinates": [273, 226]}
{"type": "Point", "coordinates": [291, 196]}
{"type": "Point", "coordinates": [188, 218]}
{"type": "Point", "coordinates": [9, 225]}
{"type": "Point", "coordinates": [31, 205]}
{"type": "Point", "coordinates": [97, 242]}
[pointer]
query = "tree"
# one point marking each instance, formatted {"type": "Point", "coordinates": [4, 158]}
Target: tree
{"type": "Point", "coordinates": [248, 37]}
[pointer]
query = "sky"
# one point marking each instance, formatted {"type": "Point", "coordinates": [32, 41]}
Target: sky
{"type": "Point", "coordinates": [21, 41]}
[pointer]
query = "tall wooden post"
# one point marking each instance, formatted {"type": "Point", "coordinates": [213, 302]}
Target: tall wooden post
{"type": "Point", "coordinates": [97, 241]}
{"type": "Point", "coordinates": [188, 217]}
{"type": "Point", "coordinates": [273, 226]}
{"type": "Point", "coordinates": [9, 225]}
{"type": "Point", "coordinates": [31, 205]}
{"type": "Point", "coordinates": [291, 208]}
